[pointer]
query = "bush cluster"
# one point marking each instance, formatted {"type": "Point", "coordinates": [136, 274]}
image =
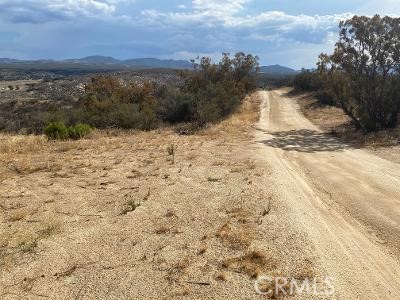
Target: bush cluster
{"type": "Point", "coordinates": [208, 93]}
{"type": "Point", "coordinates": [312, 81]}
{"type": "Point", "coordinates": [109, 102]}
{"type": "Point", "coordinates": [59, 131]}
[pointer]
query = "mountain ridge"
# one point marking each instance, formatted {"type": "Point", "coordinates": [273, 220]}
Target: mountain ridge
{"type": "Point", "coordinates": [277, 69]}
{"type": "Point", "coordinates": [99, 60]}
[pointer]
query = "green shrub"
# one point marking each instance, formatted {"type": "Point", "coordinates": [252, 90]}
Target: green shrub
{"type": "Point", "coordinates": [56, 131]}
{"type": "Point", "coordinates": [79, 131]}
{"type": "Point", "coordinates": [59, 131]}
{"type": "Point", "coordinates": [206, 94]}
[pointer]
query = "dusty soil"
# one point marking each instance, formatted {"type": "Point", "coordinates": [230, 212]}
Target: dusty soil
{"type": "Point", "coordinates": [117, 217]}
{"type": "Point", "coordinates": [261, 194]}
{"type": "Point", "coordinates": [346, 199]}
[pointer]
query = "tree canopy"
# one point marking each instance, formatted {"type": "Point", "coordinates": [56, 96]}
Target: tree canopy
{"type": "Point", "coordinates": [363, 73]}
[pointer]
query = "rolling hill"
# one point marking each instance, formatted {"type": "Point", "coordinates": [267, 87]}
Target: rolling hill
{"type": "Point", "coordinates": [277, 70]}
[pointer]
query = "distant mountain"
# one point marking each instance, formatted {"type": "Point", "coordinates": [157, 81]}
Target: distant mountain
{"type": "Point", "coordinates": [95, 60]}
{"type": "Point", "coordinates": [106, 61]}
{"type": "Point", "coordinates": [136, 62]}
{"type": "Point", "coordinates": [159, 63]}
{"type": "Point", "coordinates": [8, 60]}
{"type": "Point", "coordinates": [277, 70]}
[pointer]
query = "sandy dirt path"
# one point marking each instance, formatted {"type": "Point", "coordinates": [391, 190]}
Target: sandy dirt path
{"type": "Point", "coordinates": [347, 200]}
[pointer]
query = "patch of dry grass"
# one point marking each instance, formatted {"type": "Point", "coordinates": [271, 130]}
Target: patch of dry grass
{"type": "Point", "coordinates": [239, 122]}
{"type": "Point", "coordinates": [252, 263]}
{"type": "Point", "coordinates": [18, 215]}
{"type": "Point", "coordinates": [178, 269]}
{"type": "Point", "coordinates": [222, 276]}
{"type": "Point", "coordinates": [21, 144]}
{"type": "Point", "coordinates": [162, 229]}
{"type": "Point", "coordinates": [203, 249]}
{"type": "Point", "coordinates": [237, 232]}
{"type": "Point", "coordinates": [130, 205]}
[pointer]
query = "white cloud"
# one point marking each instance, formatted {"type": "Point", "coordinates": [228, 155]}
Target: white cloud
{"type": "Point", "coordinates": [83, 7]}
{"type": "Point", "coordinates": [41, 11]}
{"type": "Point", "coordinates": [224, 26]}
{"type": "Point", "coordinates": [219, 7]}
{"type": "Point", "coordinates": [188, 29]}
{"type": "Point", "coordinates": [211, 13]}
{"type": "Point", "coordinates": [187, 55]}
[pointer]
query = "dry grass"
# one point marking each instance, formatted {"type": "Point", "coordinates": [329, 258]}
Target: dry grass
{"type": "Point", "coordinates": [21, 144]}
{"type": "Point", "coordinates": [222, 276]}
{"type": "Point", "coordinates": [162, 229]}
{"type": "Point", "coordinates": [18, 215]}
{"type": "Point", "coordinates": [49, 228]}
{"type": "Point", "coordinates": [213, 179]}
{"type": "Point", "coordinates": [26, 242]}
{"type": "Point", "coordinates": [238, 123]}
{"type": "Point", "coordinates": [252, 263]}
{"type": "Point", "coordinates": [130, 205]}
{"type": "Point", "coordinates": [178, 269]}
{"type": "Point", "coordinates": [237, 232]}
{"type": "Point", "coordinates": [203, 249]}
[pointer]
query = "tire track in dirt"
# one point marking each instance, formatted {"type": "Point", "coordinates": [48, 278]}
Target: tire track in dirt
{"type": "Point", "coordinates": [347, 200]}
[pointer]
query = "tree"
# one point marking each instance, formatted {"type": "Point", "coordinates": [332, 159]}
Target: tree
{"type": "Point", "coordinates": [213, 91]}
{"type": "Point", "coordinates": [363, 72]}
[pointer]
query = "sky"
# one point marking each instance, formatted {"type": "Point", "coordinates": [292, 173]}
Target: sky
{"type": "Point", "coordinates": [287, 32]}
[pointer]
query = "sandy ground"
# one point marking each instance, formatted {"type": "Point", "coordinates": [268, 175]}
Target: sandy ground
{"type": "Point", "coordinates": [117, 217]}
{"type": "Point", "coordinates": [113, 217]}
{"type": "Point", "coordinates": [346, 199]}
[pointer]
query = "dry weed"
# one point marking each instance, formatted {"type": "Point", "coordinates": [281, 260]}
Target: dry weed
{"type": "Point", "coordinates": [129, 206]}
{"type": "Point", "coordinates": [203, 249]}
{"type": "Point", "coordinates": [251, 263]}
{"type": "Point", "coordinates": [48, 230]}
{"type": "Point", "coordinates": [236, 238]}
{"type": "Point", "coordinates": [221, 276]}
{"type": "Point", "coordinates": [17, 215]}
{"type": "Point", "coordinates": [162, 229]}
{"type": "Point", "coordinates": [26, 242]}
{"type": "Point", "coordinates": [178, 269]}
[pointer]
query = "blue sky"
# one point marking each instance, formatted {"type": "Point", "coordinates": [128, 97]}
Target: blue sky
{"type": "Point", "coordinates": [286, 32]}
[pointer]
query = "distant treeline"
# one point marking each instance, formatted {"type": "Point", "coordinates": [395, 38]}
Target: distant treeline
{"type": "Point", "coordinates": [362, 76]}
{"type": "Point", "coordinates": [208, 93]}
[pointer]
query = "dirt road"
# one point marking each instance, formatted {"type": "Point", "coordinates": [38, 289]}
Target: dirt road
{"type": "Point", "coordinates": [345, 199]}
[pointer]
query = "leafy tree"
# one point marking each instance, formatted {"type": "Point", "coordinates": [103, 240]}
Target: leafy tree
{"type": "Point", "coordinates": [363, 74]}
